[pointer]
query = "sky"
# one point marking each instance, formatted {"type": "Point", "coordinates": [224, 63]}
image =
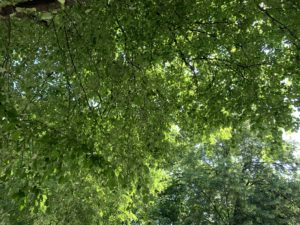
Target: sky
{"type": "Point", "coordinates": [294, 136]}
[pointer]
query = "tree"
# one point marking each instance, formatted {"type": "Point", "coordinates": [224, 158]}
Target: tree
{"type": "Point", "coordinates": [220, 184]}
{"type": "Point", "coordinates": [91, 92]}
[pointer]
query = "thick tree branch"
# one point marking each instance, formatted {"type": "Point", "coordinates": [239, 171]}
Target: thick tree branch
{"type": "Point", "coordinates": [38, 5]}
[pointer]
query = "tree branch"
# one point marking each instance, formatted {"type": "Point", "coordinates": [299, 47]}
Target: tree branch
{"type": "Point", "coordinates": [38, 5]}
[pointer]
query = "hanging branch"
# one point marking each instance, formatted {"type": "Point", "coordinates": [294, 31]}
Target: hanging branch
{"type": "Point", "coordinates": [75, 69]}
{"type": "Point", "coordinates": [281, 26]}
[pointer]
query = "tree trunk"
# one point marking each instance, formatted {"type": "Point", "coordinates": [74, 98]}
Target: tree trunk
{"type": "Point", "coordinates": [237, 213]}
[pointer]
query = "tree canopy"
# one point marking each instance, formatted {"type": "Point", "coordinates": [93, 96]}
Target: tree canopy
{"type": "Point", "coordinates": [98, 98]}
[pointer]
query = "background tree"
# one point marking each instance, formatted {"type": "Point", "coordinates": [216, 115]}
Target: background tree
{"type": "Point", "coordinates": [217, 183]}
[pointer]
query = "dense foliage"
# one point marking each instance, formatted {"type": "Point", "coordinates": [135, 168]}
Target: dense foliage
{"type": "Point", "coordinates": [98, 98]}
